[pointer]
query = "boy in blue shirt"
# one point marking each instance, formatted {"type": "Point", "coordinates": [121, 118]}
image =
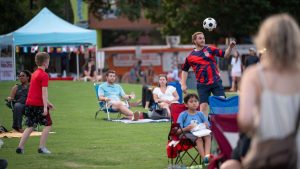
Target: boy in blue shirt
{"type": "Point", "coordinates": [190, 119]}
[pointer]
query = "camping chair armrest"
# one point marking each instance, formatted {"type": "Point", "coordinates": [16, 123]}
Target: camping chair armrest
{"type": "Point", "coordinates": [177, 127]}
{"type": "Point", "coordinates": [10, 103]}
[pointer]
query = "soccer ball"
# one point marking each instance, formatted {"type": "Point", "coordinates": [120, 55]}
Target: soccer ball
{"type": "Point", "coordinates": [209, 24]}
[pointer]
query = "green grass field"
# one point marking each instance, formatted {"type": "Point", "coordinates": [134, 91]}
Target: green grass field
{"type": "Point", "coordinates": [80, 141]}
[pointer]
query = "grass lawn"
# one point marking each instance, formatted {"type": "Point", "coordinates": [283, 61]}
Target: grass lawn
{"type": "Point", "coordinates": [80, 141]}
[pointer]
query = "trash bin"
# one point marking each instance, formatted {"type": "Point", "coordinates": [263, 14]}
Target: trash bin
{"type": "Point", "coordinates": [191, 80]}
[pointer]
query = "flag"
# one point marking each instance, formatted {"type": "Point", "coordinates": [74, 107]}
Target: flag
{"type": "Point", "coordinates": [34, 49]}
{"type": "Point", "coordinates": [64, 49]}
{"type": "Point", "coordinates": [51, 50]}
{"type": "Point", "coordinates": [48, 49]}
{"type": "Point", "coordinates": [58, 50]}
{"type": "Point", "coordinates": [71, 48]}
{"type": "Point", "coordinates": [25, 49]}
{"type": "Point", "coordinates": [17, 49]}
{"type": "Point", "coordinates": [82, 49]}
{"type": "Point", "coordinates": [75, 50]}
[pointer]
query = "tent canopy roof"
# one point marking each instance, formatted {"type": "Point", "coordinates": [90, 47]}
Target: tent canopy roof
{"type": "Point", "coordinates": [47, 28]}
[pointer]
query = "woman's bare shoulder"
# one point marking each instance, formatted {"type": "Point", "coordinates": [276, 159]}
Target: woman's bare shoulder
{"type": "Point", "coordinates": [251, 73]}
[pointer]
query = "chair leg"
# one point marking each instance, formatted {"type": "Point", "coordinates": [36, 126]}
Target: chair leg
{"type": "Point", "coordinates": [108, 117]}
{"type": "Point", "coordinates": [119, 115]}
{"type": "Point", "coordinates": [96, 114]}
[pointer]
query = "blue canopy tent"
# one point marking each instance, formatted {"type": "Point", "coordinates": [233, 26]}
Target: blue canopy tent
{"type": "Point", "coordinates": [47, 29]}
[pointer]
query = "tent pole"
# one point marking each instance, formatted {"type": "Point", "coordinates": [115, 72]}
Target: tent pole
{"type": "Point", "coordinates": [77, 64]}
{"type": "Point", "coordinates": [14, 61]}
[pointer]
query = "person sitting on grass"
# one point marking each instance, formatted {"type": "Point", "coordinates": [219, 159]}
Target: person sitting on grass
{"type": "Point", "coordinates": [112, 93]}
{"type": "Point", "coordinates": [165, 95]}
{"type": "Point", "coordinates": [190, 119]}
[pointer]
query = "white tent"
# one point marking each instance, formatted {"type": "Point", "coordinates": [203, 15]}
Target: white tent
{"type": "Point", "coordinates": [45, 29]}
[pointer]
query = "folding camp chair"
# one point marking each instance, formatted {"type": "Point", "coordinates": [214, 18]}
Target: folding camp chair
{"type": "Point", "coordinates": [177, 85]}
{"type": "Point", "coordinates": [178, 148]}
{"type": "Point", "coordinates": [10, 105]}
{"type": "Point", "coordinates": [223, 117]}
{"type": "Point", "coordinates": [154, 107]}
{"type": "Point", "coordinates": [103, 106]}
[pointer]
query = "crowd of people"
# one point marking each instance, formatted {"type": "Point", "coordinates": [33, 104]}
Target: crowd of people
{"type": "Point", "coordinates": [269, 92]}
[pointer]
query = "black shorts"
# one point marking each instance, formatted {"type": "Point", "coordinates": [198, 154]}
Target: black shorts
{"type": "Point", "coordinates": [204, 91]}
{"type": "Point", "coordinates": [34, 116]}
{"type": "Point", "coordinates": [190, 136]}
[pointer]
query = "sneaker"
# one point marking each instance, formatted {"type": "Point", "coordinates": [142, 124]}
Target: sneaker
{"type": "Point", "coordinates": [44, 150]}
{"type": "Point", "coordinates": [206, 159]}
{"type": "Point", "coordinates": [19, 150]}
{"type": "Point", "coordinates": [136, 116]}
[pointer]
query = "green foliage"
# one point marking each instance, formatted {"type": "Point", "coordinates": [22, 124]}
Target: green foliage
{"type": "Point", "coordinates": [13, 15]}
{"type": "Point", "coordinates": [237, 18]}
{"type": "Point", "coordinates": [16, 13]}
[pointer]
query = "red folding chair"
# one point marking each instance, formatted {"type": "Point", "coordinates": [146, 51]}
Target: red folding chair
{"type": "Point", "coordinates": [178, 148]}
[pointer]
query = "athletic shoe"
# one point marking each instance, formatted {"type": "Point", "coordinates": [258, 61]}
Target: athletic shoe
{"type": "Point", "coordinates": [206, 159]}
{"type": "Point", "coordinates": [44, 150]}
{"type": "Point", "coordinates": [19, 151]}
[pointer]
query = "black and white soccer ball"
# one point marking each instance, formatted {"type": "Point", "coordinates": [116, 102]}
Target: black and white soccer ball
{"type": "Point", "coordinates": [209, 24]}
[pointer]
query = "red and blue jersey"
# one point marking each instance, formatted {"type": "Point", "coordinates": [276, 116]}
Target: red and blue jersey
{"type": "Point", "coordinates": [204, 64]}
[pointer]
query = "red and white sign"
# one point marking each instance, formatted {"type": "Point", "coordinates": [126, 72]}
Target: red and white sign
{"type": "Point", "coordinates": [128, 60]}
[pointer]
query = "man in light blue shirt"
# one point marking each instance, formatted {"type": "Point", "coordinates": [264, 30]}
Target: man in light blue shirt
{"type": "Point", "coordinates": [112, 93]}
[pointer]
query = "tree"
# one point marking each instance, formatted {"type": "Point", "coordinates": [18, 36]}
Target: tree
{"type": "Point", "coordinates": [237, 18]}
{"type": "Point", "coordinates": [16, 13]}
{"type": "Point", "coordinates": [13, 15]}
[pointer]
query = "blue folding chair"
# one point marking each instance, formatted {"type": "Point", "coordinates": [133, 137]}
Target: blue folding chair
{"type": "Point", "coordinates": [103, 106]}
{"type": "Point", "coordinates": [221, 105]}
{"type": "Point", "coordinates": [177, 85]}
{"type": "Point", "coordinates": [223, 118]}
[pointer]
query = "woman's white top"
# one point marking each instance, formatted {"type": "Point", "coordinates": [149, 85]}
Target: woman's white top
{"type": "Point", "coordinates": [236, 65]}
{"type": "Point", "coordinates": [168, 95]}
{"type": "Point", "coordinates": [277, 113]}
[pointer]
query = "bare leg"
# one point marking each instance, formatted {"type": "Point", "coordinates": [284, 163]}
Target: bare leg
{"type": "Point", "coordinates": [44, 136]}
{"type": "Point", "coordinates": [207, 144]}
{"type": "Point", "coordinates": [147, 105]}
{"type": "Point", "coordinates": [233, 88]}
{"type": "Point", "coordinates": [238, 83]}
{"type": "Point", "coordinates": [25, 137]}
{"type": "Point", "coordinates": [204, 108]}
{"type": "Point", "coordinates": [123, 109]}
{"type": "Point", "coordinates": [199, 144]}
{"type": "Point", "coordinates": [167, 107]}
{"type": "Point", "coordinates": [231, 164]}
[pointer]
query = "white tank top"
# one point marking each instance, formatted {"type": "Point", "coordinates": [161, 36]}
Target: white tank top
{"type": "Point", "coordinates": [277, 112]}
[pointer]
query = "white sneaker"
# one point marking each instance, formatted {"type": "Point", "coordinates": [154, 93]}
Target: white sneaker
{"type": "Point", "coordinates": [44, 150]}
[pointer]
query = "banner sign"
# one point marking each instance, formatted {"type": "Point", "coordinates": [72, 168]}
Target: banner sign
{"type": "Point", "coordinates": [128, 60]}
{"type": "Point", "coordinates": [6, 68]}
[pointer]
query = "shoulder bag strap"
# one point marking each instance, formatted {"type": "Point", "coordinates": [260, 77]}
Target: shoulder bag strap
{"type": "Point", "coordinates": [297, 123]}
